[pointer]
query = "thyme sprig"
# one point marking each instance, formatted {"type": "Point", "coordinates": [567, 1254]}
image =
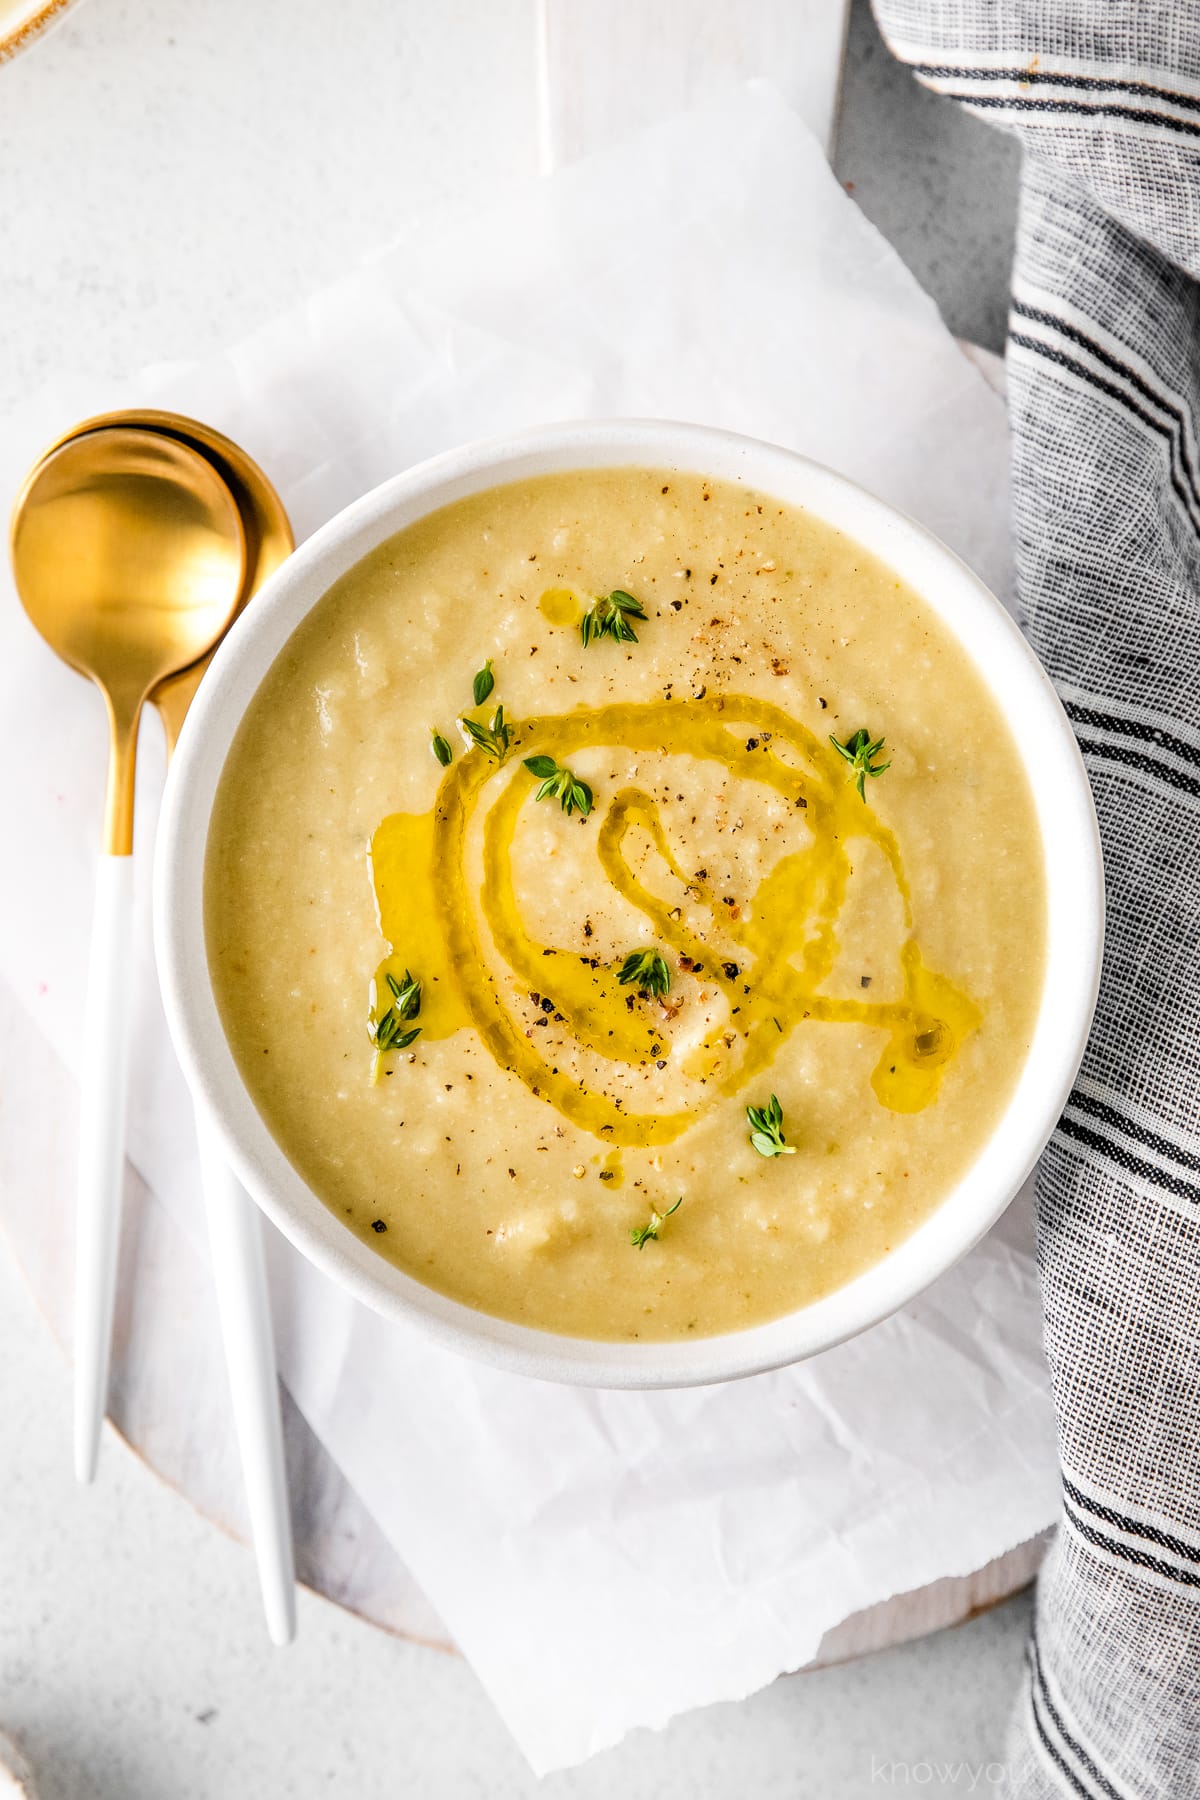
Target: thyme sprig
{"type": "Point", "coordinates": [559, 784]}
{"type": "Point", "coordinates": [648, 968]}
{"type": "Point", "coordinates": [766, 1130]}
{"type": "Point", "coordinates": [494, 739]}
{"type": "Point", "coordinates": [610, 616]}
{"type": "Point", "coordinates": [641, 1235]}
{"type": "Point", "coordinates": [388, 1031]}
{"type": "Point", "coordinates": [860, 751]}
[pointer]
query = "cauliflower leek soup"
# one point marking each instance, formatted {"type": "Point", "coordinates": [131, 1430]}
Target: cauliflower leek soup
{"type": "Point", "coordinates": [625, 904]}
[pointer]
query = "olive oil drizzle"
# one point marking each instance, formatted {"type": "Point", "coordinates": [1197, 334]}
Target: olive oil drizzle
{"type": "Point", "coordinates": [783, 944]}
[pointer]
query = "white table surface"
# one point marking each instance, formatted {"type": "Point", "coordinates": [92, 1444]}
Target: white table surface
{"type": "Point", "coordinates": [170, 177]}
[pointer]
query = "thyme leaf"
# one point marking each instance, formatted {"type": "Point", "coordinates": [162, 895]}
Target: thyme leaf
{"type": "Point", "coordinates": [559, 784]}
{"type": "Point", "coordinates": [483, 683]}
{"type": "Point", "coordinates": [641, 1235]}
{"type": "Point", "coordinates": [494, 739]}
{"type": "Point", "coordinates": [441, 748]}
{"type": "Point", "coordinates": [766, 1129]}
{"type": "Point", "coordinates": [648, 968]}
{"type": "Point", "coordinates": [610, 616]}
{"type": "Point", "coordinates": [406, 994]}
{"type": "Point", "coordinates": [860, 751]}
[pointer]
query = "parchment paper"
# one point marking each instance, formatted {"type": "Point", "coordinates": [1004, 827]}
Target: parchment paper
{"type": "Point", "coordinates": [604, 1560]}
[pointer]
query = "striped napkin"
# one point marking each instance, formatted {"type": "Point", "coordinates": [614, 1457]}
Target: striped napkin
{"type": "Point", "coordinates": [1104, 386]}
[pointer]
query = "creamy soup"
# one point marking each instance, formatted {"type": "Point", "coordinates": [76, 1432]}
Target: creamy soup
{"type": "Point", "coordinates": [626, 905]}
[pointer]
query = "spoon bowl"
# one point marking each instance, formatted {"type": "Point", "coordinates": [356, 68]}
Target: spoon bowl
{"type": "Point", "coordinates": [129, 553]}
{"type": "Point", "coordinates": [265, 525]}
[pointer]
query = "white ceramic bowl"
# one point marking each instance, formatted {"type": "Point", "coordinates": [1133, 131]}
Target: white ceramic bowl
{"type": "Point", "coordinates": [1065, 814]}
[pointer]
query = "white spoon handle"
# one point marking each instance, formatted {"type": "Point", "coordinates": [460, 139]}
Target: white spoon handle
{"type": "Point", "coordinates": [101, 1149]}
{"type": "Point", "coordinates": [240, 1278]}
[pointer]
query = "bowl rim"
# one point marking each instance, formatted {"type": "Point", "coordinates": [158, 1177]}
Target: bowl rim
{"type": "Point", "coordinates": [1062, 797]}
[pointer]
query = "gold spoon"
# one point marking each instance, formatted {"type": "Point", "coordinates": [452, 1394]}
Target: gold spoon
{"type": "Point", "coordinates": [234, 1228]}
{"type": "Point", "coordinates": [267, 528]}
{"type": "Point", "coordinates": [129, 555]}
